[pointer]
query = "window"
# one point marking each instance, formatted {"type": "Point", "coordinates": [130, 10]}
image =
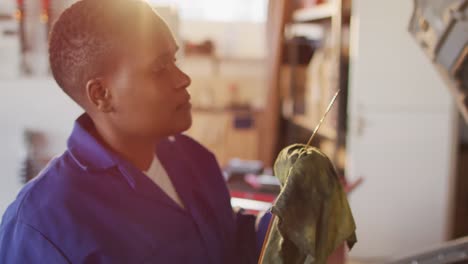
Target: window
{"type": "Point", "coordinates": [220, 10]}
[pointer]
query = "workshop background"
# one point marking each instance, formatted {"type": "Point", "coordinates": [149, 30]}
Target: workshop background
{"type": "Point", "coordinates": [263, 73]}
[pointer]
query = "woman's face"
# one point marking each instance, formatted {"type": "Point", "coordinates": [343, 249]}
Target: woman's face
{"type": "Point", "coordinates": [149, 91]}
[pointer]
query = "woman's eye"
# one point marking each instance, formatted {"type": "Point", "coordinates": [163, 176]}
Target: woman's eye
{"type": "Point", "coordinates": [164, 67]}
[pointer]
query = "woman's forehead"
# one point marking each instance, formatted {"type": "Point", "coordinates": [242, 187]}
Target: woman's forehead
{"type": "Point", "coordinates": [156, 44]}
{"type": "Point", "coordinates": [151, 36]}
{"type": "Point", "coordinates": [150, 50]}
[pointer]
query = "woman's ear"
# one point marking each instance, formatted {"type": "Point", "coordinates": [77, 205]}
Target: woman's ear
{"type": "Point", "coordinates": [99, 95]}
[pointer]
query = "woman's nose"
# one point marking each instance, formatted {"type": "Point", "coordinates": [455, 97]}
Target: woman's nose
{"type": "Point", "coordinates": [182, 79]}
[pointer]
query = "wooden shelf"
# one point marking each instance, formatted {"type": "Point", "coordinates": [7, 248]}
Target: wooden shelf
{"type": "Point", "coordinates": [6, 17]}
{"type": "Point", "coordinates": [320, 12]}
{"type": "Point", "coordinates": [310, 31]}
{"type": "Point", "coordinates": [226, 59]}
{"type": "Point", "coordinates": [303, 121]}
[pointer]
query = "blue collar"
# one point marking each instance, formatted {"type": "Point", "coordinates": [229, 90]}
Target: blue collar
{"type": "Point", "coordinates": [87, 151]}
{"type": "Point", "coordinates": [91, 155]}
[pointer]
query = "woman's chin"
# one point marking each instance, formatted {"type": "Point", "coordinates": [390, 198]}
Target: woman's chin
{"type": "Point", "coordinates": [183, 124]}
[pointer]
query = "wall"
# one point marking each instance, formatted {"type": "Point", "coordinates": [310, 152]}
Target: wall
{"type": "Point", "coordinates": [33, 104]}
{"type": "Point", "coordinates": [7, 7]}
{"type": "Point", "coordinates": [240, 47]}
{"type": "Point", "coordinates": [238, 39]}
{"type": "Point", "coordinates": [401, 135]}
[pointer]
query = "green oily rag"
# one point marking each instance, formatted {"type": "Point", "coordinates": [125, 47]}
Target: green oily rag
{"type": "Point", "coordinates": [313, 217]}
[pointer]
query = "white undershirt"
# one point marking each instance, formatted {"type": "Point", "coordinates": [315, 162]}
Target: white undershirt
{"type": "Point", "coordinates": [158, 175]}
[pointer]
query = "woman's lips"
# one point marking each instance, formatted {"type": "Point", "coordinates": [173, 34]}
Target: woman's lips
{"type": "Point", "coordinates": [185, 103]}
{"type": "Point", "coordinates": [185, 106]}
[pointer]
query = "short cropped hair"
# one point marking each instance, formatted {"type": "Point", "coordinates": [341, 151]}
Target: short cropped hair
{"type": "Point", "coordinates": [85, 38]}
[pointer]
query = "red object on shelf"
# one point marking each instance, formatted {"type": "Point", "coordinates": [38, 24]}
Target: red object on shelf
{"type": "Point", "coordinates": [311, 3]}
{"type": "Point", "coordinates": [45, 7]}
{"type": "Point", "coordinates": [350, 187]}
{"type": "Point", "coordinates": [45, 4]}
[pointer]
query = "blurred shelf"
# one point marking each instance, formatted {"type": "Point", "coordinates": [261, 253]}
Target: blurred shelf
{"type": "Point", "coordinates": [305, 122]}
{"type": "Point", "coordinates": [249, 204]}
{"type": "Point", "coordinates": [219, 61]}
{"type": "Point", "coordinates": [311, 31]}
{"type": "Point", "coordinates": [319, 12]}
{"type": "Point", "coordinates": [233, 59]}
{"type": "Point", "coordinates": [226, 59]}
{"type": "Point", "coordinates": [220, 110]}
{"type": "Point", "coordinates": [6, 17]}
